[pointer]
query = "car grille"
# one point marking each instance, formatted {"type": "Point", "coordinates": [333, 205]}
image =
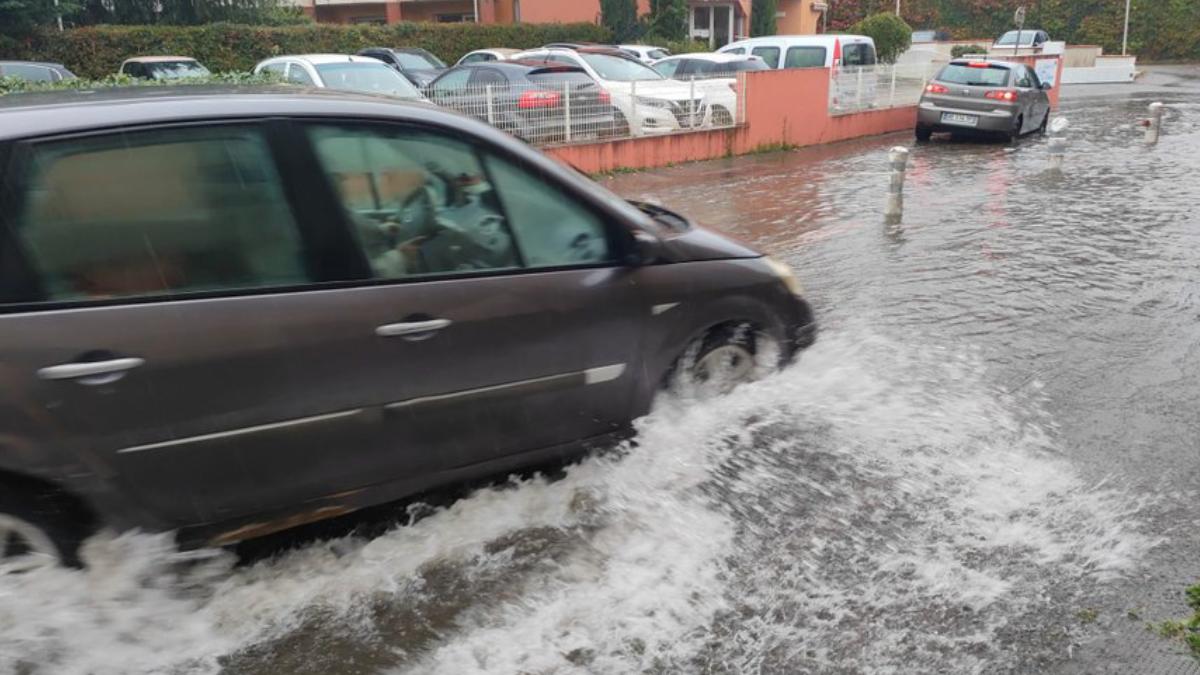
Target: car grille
{"type": "Point", "coordinates": [689, 114]}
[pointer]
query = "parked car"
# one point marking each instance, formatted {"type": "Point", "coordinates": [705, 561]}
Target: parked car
{"type": "Point", "coordinates": [995, 97]}
{"type": "Point", "coordinates": [658, 106]}
{"type": "Point", "coordinates": [807, 51]}
{"type": "Point", "coordinates": [35, 71]}
{"type": "Point", "coordinates": [707, 66]}
{"type": "Point", "coordinates": [163, 68]}
{"type": "Point", "coordinates": [414, 63]}
{"type": "Point", "coordinates": [529, 100]}
{"type": "Point", "coordinates": [925, 36]}
{"type": "Point", "coordinates": [647, 54]}
{"type": "Point", "coordinates": [486, 55]}
{"type": "Point", "coordinates": [340, 71]}
{"type": "Point", "coordinates": [1022, 39]}
{"type": "Point", "coordinates": [227, 314]}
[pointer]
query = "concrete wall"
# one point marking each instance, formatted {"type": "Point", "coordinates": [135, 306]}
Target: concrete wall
{"type": "Point", "coordinates": [797, 18]}
{"type": "Point", "coordinates": [783, 108]}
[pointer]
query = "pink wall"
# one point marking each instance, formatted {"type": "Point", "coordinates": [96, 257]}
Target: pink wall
{"type": "Point", "coordinates": [783, 107]}
{"type": "Point", "coordinates": [566, 11]}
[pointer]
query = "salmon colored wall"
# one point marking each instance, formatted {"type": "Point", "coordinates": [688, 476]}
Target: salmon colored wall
{"type": "Point", "coordinates": [426, 11]}
{"type": "Point", "coordinates": [798, 18]}
{"type": "Point", "coordinates": [348, 13]}
{"type": "Point", "coordinates": [557, 11]}
{"type": "Point", "coordinates": [783, 107]}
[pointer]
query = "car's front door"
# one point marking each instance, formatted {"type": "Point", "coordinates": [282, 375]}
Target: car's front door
{"type": "Point", "coordinates": [499, 320]}
{"type": "Point", "coordinates": [166, 329]}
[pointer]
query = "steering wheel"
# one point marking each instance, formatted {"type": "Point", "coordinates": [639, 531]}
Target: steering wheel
{"type": "Point", "coordinates": [417, 216]}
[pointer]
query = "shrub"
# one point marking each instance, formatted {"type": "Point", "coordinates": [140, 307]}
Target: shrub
{"type": "Point", "coordinates": [668, 19]}
{"type": "Point", "coordinates": [959, 51]}
{"type": "Point", "coordinates": [620, 17]}
{"type": "Point", "coordinates": [98, 51]}
{"type": "Point", "coordinates": [762, 17]}
{"type": "Point", "coordinates": [892, 36]}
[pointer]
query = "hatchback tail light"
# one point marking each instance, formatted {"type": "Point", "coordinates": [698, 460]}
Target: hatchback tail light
{"type": "Point", "coordinates": [531, 100]}
{"type": "Point", "coordinates": [1001, 95]}
{"type": "Point", "coordinates": [932, 88]}
{"type": "Point", "coordinates": [605, 97]}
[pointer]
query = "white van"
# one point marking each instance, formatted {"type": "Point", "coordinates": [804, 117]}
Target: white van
{"type": "Point", "coordinates": [850, 59]}
{"type": "Point", "coordinates": [807, 51]}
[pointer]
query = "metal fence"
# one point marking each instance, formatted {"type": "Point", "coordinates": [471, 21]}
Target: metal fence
{"type": "Point", "coordinates": [855, 88]}
{"type": "Point", "coordinates": [575, 111]}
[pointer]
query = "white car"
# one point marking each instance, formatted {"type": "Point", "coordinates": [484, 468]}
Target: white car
{"type": "Point", "coordinates": [647, 54]}
{"type": "Point", "coordinates": [850, 59]}
{"type": "Point", "coordinates": [646, 102]}
{"type": "Point", "coordinates": [486, 55]}
{"type": "Point", "coordinates": [341, 71]}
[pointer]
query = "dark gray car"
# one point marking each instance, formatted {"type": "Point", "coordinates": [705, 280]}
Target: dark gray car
{"type": "Point", "coordinates": [417, 65]}
{"type": "Point", "coordinates": [990, 97]}
{"type": "Point", "coordinates": [35, 71]}
{"type": "Point", "coordinates": [229, 313]}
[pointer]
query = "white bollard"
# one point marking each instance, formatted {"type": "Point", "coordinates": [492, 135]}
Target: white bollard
{"type": "Point", "coordinates": [1154, 124]}
{"type": "Point", "coordinates": [898, 161]}
{"type": "Point", "coordinates": [1058, 149]}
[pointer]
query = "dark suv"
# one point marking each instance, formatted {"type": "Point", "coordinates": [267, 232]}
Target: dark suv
{"type": "Point", "coordinates": [232, 313]}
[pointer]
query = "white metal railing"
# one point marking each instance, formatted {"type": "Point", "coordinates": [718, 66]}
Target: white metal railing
{"type": "Point", "coordinates": [855, 88]}
{"type": "Point", "coordinates": [576, 110]}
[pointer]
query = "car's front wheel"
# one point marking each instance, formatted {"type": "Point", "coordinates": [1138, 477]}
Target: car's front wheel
{"type": "Point", "coordinates": [37, 530]}
{"type": "Point", "coordinates": [727, 357]}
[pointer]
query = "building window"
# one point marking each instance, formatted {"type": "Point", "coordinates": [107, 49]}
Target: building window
{"type": "Point", "coordinates": [372, 20]}
{"type": "Point", "coordinates": [454, 18]}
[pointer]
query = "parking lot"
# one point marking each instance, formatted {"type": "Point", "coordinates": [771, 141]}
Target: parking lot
{"type": "Point", "coordinates": [986, 464]}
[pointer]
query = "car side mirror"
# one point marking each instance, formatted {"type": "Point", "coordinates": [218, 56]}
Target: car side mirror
{"type": "Point", "coordinates": [647, 248]}
{"type": "Point", "coordinates": [1047, 86]}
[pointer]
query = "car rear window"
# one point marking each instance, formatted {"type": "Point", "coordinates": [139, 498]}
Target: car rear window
{"type": "Point", "coordinates": [559, 77]}
{"type": "Point", "coordinates": [978, 76]}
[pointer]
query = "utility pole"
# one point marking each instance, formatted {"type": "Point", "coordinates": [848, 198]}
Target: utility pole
{"type": "Point", "coordinates": [897, 7]}
{"type": "Point", "coordinates": [1125, 35]}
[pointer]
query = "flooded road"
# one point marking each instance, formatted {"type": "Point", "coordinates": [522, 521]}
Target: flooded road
{"type": "Point", "coordinates": [988, 463]}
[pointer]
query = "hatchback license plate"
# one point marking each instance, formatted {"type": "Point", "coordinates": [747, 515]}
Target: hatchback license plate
{"type": "Point", "coordinates": [960, 120]}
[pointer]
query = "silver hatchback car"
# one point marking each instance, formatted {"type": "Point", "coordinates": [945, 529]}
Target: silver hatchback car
{"type": "Point", "coordinates": [984, 96]}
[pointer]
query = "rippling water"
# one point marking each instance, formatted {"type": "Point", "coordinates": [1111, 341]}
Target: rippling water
{"type": "Point", "coordinates": [995, 431]}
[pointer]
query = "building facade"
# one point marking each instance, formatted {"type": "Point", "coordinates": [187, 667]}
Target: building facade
{"type": "Point", "coordinates": [717, 22]}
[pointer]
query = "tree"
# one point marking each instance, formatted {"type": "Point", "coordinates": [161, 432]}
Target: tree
{"type": "Point", "coordinates": [892, 36]}
{"type": "Point", "coordinates": [620, 16]}
{"type": "Point", "coordinates": [22, 17]}
{"type": "Point", "coordinates": [762, 17]}
{"type": "Point", "coordinates": [668, 19]}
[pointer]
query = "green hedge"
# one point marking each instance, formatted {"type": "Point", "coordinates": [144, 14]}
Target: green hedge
{"type": "Point", "coordinates": [16, 85]}
{"type": "Point", "coordinates": [98, 51]}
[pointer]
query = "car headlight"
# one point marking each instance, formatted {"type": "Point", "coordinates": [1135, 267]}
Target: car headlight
{"type": "Point", "coordinates": [785, 274]}
{"type": "Point", "coordinates": [653, 102]}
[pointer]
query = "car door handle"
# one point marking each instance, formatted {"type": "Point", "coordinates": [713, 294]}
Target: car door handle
{"type": "Point", "coordinates": [89, 369]}
{"type": "Point", "coordinates": [412, 328]}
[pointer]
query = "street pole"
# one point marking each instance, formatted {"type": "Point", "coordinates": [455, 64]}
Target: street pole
{"type": "Point", "coordinates": [1125, 35]}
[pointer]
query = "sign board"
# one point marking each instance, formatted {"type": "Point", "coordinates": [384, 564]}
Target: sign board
{"type": "Point", "coordinates": [1019, 17]}
{"type": "Point", "coordinates": [1047, 71]}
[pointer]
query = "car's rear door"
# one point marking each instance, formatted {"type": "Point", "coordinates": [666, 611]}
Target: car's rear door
{"type": "Point", "coordinates": [164, 330]}
{"type": "Point", "coordinates": [500, 319]}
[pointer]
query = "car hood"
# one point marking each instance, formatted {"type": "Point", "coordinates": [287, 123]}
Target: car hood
{"type": "Point", "coordinates": [684, 241]}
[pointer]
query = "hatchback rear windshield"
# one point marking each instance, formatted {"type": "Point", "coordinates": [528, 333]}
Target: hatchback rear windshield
{"type": "Point", "coordinates": [560, 77]}
{"type": "Point", "coordinates": [409, 61]}
{"type": "Point", "coordinates": [172, 70]}
{"type": "Point", "coordinates": [990, 76]}
{"type": "Point", "coordinates": [371, 78]}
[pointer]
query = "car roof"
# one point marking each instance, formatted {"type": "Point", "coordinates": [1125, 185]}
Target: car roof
{"type": "Point", "coordinates": [47, 64]}
{"type": "Point", "coordinates": [319, 59]}
{"type": "Point", "coordinates": [525, 66]}
{"type": "Point", "coordinates": [499, 50]}
{"type": "Point", "coordinates": [824, 39]}
{"type": "Point", "coordinates": [991, 62]}
{"type": "Point", "coordinates": [159, 59]}
{"type": "Point", "coordinates": [35, 114]}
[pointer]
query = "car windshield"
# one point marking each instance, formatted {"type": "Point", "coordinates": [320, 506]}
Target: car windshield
{"type": "Point", "coordinates": [620, 69]}
{"type": "Point", "coordinates": [974, 76]}
{"type": "Point", "coordinates": [371, 78]}
{"type": "Point", "coordinates": [417, 61]}
{"type": "Point", "coordinates": [1010, 38]}
{"type": "Point", "coordinates": [174, 70]}
{"type": "Point", "coordinates": [658, 54]}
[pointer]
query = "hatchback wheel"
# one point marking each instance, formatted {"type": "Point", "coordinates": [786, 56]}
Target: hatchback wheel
{"type": "Point", "coordinates": [924, 133]}
{"type": "Point", "coordinates": [36, 531]}
{"type": "Point", "coordinates": [1045, 123]}
{"type": "Point", "coordinates": [1015, 132]}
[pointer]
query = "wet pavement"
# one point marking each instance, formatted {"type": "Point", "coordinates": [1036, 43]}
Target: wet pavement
{"type": "Point", "coordinates": [988, 463]}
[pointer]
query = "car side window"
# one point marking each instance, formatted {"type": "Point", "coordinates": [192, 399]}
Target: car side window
{"type": "Point", "coordinates": [275, 68]}
{"type": "Point", "coordinates": [30, 73]}
{"type": "Point", "coordinates": [737, 50]}
{"type": "Point", "coordinates": [667, 68]}
{"type": "Point", "coordinates": [768, 54]}
{"type": "Point", "coordinates": [419, 202]}
{"type": "Point", "coordinates": [452, 80]}
{"type": "Point", "coordinates": [1034, 80]}
{"type": "Point", "coordinates": [156, 213]}
{"type": "Point", "coordinates": [551, 229]}
{"type": "Point", "coordinates": [483, 77]}
{"type": "Point", "coordinates": [1022, 78]}
{"type": "Point", "coordinates": [298, 75]}
{"type": "Point", "coordinates": [478, 58]}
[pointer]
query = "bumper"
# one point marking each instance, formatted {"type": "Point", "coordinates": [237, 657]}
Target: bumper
{"type": "Point", "coordinates": [929, 116]}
